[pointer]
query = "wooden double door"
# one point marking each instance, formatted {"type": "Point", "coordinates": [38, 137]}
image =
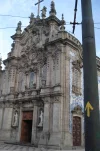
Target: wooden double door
{"type": "Point", "coordinates": [76, 131]}
{"type": "Point", "coordinates": [26, 127]}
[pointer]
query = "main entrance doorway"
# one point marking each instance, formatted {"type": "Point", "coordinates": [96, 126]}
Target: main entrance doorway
{"type": "Point", "coordinates": [76, 131]}
{"type": "Point", "coordinates": [26, 127]}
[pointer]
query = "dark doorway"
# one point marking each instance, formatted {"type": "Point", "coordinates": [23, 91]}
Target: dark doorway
{"type": "Point", "coordinates": [26, 127]}
{"type": "Point", "coordinates": [76, 131]}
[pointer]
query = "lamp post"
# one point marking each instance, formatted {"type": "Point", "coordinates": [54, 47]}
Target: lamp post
{"type": "Point", "coordinates": [91, 100]}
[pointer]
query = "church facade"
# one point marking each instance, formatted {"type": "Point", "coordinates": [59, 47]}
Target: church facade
{"type": "Point", "coordinates": [41, 88]}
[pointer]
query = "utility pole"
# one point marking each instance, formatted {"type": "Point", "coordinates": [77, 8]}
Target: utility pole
{"type": "Point", "coordinates": [91, 99]}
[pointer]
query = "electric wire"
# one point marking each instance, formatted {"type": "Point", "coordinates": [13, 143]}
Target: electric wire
{"type": "Point", "coordinates": [4, 15]}
{"type": "Point", "coordinates": [96, 27]}
{"type": "Point", "coordinates": [10, 27]}
{"type": "Point", "coordinates": [26, 26]}
{"type": "Point", "coordinates": [13, 16]}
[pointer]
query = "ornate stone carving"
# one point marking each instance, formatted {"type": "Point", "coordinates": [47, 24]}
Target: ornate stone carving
{"type": "Point", "coordinates": [77, 64]}
{"type": "Point", "coordinates": [77, 110]}
{"type": "Point", "coordinates": [41, 115]}
{"type": "Point", "coordinates": [56, 99]}
{"type": "Point", "coordinates": [15, 118]}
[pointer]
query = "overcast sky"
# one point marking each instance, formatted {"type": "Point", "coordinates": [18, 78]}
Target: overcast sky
{"type": "Point", "coordinates": [25, 7]}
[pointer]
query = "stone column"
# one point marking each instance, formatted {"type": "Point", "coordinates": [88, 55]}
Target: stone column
{"type": "Point", "coordinates": [20, 123]}
{"type": "Point", "coordinates": [34, 125]}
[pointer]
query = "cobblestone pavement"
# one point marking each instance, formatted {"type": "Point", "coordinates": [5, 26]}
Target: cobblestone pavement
{"type": "Point", "coordinates": [11, 147]}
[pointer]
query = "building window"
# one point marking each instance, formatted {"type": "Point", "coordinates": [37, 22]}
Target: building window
{"type": "Point", "coordinates": [32, 84]}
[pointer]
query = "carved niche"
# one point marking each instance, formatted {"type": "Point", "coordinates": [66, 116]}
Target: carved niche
{"type": "Point", "coordinates": [77, 110]}
{"type": "Point", "coordinates": [15, 118]}
{"type": "Point", "coordinates": [40, 115]}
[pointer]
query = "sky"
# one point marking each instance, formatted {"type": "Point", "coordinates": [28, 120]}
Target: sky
{"type": "Point", "coordinates": [24, 8]}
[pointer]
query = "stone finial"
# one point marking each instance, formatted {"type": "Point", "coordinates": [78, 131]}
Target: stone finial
{"type": "Point", "coordinates": [53, 10]}
{"type": "Point", "coordinates": [43, 14]}
{"type": "Point", "coordinates": [62, 28]}
{"type": "Point", "coordinates": [18, 29]}
{"type": "Point", "coordinates": [31, 17]}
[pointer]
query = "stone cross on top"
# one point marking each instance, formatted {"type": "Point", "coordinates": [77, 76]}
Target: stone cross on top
{"type": "Point", "coordinates": [38, 3]}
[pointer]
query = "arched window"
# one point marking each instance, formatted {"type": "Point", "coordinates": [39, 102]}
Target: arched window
{"type": "Point", "coordinates": [31, 83]}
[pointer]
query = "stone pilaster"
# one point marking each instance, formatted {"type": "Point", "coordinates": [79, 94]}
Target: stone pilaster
{"type": "Point", "coordinates": [34, 125]}
{"type": "Point", "coordinates": [55, 132]}
{"type": "Point", "coordinates": [37, 79]}
{"type": "Point", "coordinates": [46, 117]}
{"type": "Point", "coordinates": [6, 83]}
{"type": "Point", "coordinates": [20, 123]}
{"type": "Point", "coordinates": [68, 137]}
{"type": "Point", "coordinates": [65, 99]}
{"type": "Point", "coordinates": [12, 79]}
{"type": "Point", "coordinates": [48, 81]}
{"type": "Point", "coordinates": [46, 123]}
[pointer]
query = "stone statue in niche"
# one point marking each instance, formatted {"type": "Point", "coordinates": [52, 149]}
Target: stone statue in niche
{"type": "Point", "coordinates": [15, 119]}
{"type": "Point", "coordinates": [41, 118]}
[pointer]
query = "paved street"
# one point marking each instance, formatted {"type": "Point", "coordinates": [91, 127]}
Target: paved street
{"type": "Point", "coordinates": [11, 147]}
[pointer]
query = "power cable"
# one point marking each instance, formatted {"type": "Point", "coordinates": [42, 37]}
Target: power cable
{"type": "Point", "coordinates": [11, 27]}
{"type": "Point", "coordinates": [96, 27]}
{"type": "Point", "coordinates": [97, 23]}
{"type": "Point", "coordinates": [13, 16]}
{"type": "Point", "coordinates": [29, 17]}
{"type": "Point", "coordinates": [26, 26]}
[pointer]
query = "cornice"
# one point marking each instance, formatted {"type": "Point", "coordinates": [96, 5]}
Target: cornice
{"type": "Point", "coordinates": [15, 36]}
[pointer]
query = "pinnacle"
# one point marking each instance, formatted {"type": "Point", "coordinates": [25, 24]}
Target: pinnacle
{"type": "Point", "coordinates": [53, 10]}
